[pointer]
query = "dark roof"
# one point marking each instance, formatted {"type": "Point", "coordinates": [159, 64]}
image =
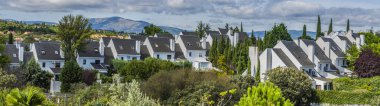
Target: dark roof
{"type": "Point", "coordinates": [355, 35]}
{"type": "Point", "coordinates": [223, 31]}
{"type": "Point", "coordinates": [138, 37]}
{"type": "Point", "coordinates": [108, 56]}
{"type": "Point", "coordinates": [106, 40]}
{"type": "Point", "coordinates": [189, 34]}
{"type": "Point", "coordinates": [318, 51]}
{"type": "Point", "coordinates": [144, 52]}
{"type": "Point", "coordinates": [165, 35]}
{"type": "Point", "coordinates": [336, 74]}
{"type": "Point", "coordinates": [27, 56]}
{"type": "Point", "coordinates": [160, 44]}
{"type": "Point", "coordinates": [12, 52]}
{"type": "Point", "coordinates": [125, 46]}
{"type": "Point", "coordinates": [90, 50]}
{"type": "Point", "coordinates": [345, 39]}
{"type": "Point", "coordinates": [192, 42]}
{"type": "Point", "coordinates": [322, 79]}
{"type": "Point", "coordinates": [298, 53]}
{"type": "Point", "coordinates": [334, 47]}
{"type": "Point", "coordinates": [242, 36]}
{"type": "Point", "coordinates": [284, 58]}
{"type": "Point", "coordinates": [212, 32]}
{"type": "Point", "coordinates": [178, 52]}
{"type": "Point", "coordinates": [48, 51]}
{"type": "Point", "coordinates": [219, 36]}
{"type": "Point", "coordinates": [56, 70]}
{"type": "Point", "coordinates": [98, 66]}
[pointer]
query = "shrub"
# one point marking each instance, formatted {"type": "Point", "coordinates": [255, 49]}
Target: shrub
{"type": "Point", "coordinates": [347, 97]}
{"type": "Point", "coordinates": [265, 94]}
{"type": "Point", "coordinates": [295, 84]}
{"type": "Point", "coordinates": [367, 65]}
{"type": "Point", "coordinates": [354, 84]}
{"type": "Point", "coordinates": [89, 76]}
{"type": "Point", "coordinates": [70, 73]}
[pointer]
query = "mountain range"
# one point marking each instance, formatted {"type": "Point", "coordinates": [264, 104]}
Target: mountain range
{"type": "Point", "coordinates": [128, 25]}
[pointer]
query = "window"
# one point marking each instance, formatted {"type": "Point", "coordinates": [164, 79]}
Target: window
{"type": "Point", "coordinates": [318, 87]}
{"type": "Point", "coordinates": [97, 61]}
{"type": "Point", "coordinates": [43, 64]}
{"type": "Point", "coordinates": [169, 57]}
{"type": "Point", "coordinates": [158, 56]}
{"type": "Point", "coordinates": [84, 61]}
{"type": "Point", "coordinates": [189, 54]}
{"type": "Point", "coordinates": [122, 58]}
{"type": "Point", "coordinates": [128, 57]}
{"type": "Point", "coordinates": [134, 58]}
{"type": "Point", "coordinates": [57, 65]}
{"type": "Point", "coordinates": [43, 52]}
{"type": "Point", "coordinates": [200, 55]}
{"type": "Point", "coordinates": [325, 87]}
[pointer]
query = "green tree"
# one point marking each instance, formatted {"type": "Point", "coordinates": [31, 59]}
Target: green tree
{"type": "Point", "coordinates": [304, 34]}
{"type": "Point", "coordinates": [36, 76]}
{"type": "Point", "coordinates": [201, 28]}
{"type": "Point", "coordinates": [348, 25]}
{"type": "Point", "coordinates": [30, 96]}
{"type": "Point", "coordinates": [6, 79]}
{"type": "Point", "coordinates": [295, 84]}
{"type": "Point", "coordinates": [319, 29]}
{"type": "Point", "coordinates": [70, 73]}
{"type": "Point", "coordinates": [330, 27]}
{"type": "Point", "coordinates": [265, 94]}
{"type": "Point", "coordinates": [253, 38]}
{"type": "Point", "coordinates": [278, 32]}
{"type": "Point", "coordinates": [241, 26]}
{"type": "Point", "coordinates": [10, 38]}
{"type": "Point", "coordinates": [352, 54]}
{"type": "Point", "coordinates": [72, 31]}
{"type": "Point", "coordinates": [152, 29]}
{"type": "Point", "coordinates": [4, 59]}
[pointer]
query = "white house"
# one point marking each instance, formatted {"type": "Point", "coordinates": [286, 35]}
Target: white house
{"type": "Point", "coordinates": [15, 52]}
{"type": "Point", "coordinates": [125, 49]}
{"type": "Point", "coordinates": [160, 48]}
{"type": "Point", "coordinates": [194, 50]}
{"type": "Point", "coordinates": [335, 53]}
{"type": "Point", "coordinates": [91, 57]}
{"type": "Point", "coordinates": [49, 56]}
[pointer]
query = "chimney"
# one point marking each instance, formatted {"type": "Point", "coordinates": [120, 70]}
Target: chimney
{"type": "Point", "coordinates": [203, 42]}
{"type": "Point", "coordinates": [17, 43]}
{"type": "Point", "coordinates": [362, 40]}
{"type": "Point", "coordinates": [254, 56]}
{"type": "Point", "coordinates": [311, 52]}
{"type": "Point", "coordinates": [344, 46]}
{"type": "Point", "coordinates": [61, 52]}
{"type": "Point", "coordinates": [327, 47]}
{"type": "Point", "coordinates": [21, 54]}
{"type": "Point", "coordinates": [236, 38]}
{"type": "Point", "coordinates": [269, 58]}
{"type": "Point", "coordinates": [172, 44]}
{"type": "Point", "coordinates": [101, 47]}
{"type": "Point", "coordinates": [137, 46]}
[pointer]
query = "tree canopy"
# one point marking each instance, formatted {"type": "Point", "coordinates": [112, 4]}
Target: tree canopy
{"type": "Point", "coordinates": [278, 32]}
{"type": "Point", "coordinates": [152, 29]}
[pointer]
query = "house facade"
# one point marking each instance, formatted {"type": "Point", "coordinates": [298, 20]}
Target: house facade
{"type": "Point", "coordinates": [194, 50]}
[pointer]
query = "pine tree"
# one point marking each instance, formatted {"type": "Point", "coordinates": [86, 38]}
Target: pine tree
{"type": "Point", "coordinates": [304, 34]}
{"type": "Point", "coordinates": [330, 27]}
{"type": "Point", "coordinates": [348, 25]}
{"type": "Point", "coordinates": [319, 32]}
{"type": "Point", "coordinates": [213, 51]}
{"type": "Point", "coordinates": [304, 30]}
{"type": "Point", "coordinates": [241, 26]}
{"type": "Point", "coordinates": [227, 26]}
{"type": "Point", "coordinates": [253, 38]}
{"type": "Point", "coordinates": [10, 38]}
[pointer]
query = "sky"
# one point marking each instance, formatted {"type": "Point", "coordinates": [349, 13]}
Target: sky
{"type": "Point", "coordinates": [258, 15]}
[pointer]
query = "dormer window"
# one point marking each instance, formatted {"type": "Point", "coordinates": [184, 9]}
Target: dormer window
{"type": "Point", "coordinates": [96, 50]}
{"type": "Point", "coordinates": [156, 45]}
{"type": "Point", "coordinates": [56, 52]}
{"type": "Point", "coordinates": [121, 47]}
{"type": "Point", "coordinates": [43, 52]}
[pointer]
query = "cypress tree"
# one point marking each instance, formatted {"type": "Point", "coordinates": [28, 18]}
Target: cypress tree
{"type": "Point", "coordinates": [330, 27]}
{"type": "Point", "coordinates": [304, 34]}
{"type": "Point", "coordinates": [227, 26]}
{"type": "Point", "coordinates": [253, 38]}
{"type": "Point", "coordinates": [212, 51]}
{"type": "Point", "coordinates": [319, 32]}
{"type": "Point", "coordinates": [241, 26]}
{"type": "Point", "coordinates": [10, 38]}
{"type": "Point", "coordinates": [348, 25]}
{"type": "Point", "coordinates": [304, 30]}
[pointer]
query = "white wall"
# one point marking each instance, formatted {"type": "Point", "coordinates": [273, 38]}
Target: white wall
{"type": "Point", "coordinates": [127, 57]}
{"type": "Point", "coordinates": [89, 60]}
{"type": "Point", "coordinates": [164, 55]}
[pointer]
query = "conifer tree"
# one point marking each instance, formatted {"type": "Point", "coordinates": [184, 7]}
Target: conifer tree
{"type": "Point", "coordinates": [241, 26]}
{"type": "Point", "coordinates": [10, 38]}
{"type": "Point", "coordinates": [319, 32]}
{"type": "Point", "coordinates": [227, 26]}
{"type": "Point", "coordinates": [330, 27]}
{"type": "Point", "coordinates": [253, 38]}
{"type": "Point", "coordinates": [304, 34]}
{"type": "Point", "coordinates": [348, 25]}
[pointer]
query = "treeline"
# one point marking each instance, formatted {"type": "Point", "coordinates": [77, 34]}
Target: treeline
{"type": "Point", "coordinates": [20, 27]}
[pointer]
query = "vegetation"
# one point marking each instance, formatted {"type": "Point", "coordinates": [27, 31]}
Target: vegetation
{"type": "Point", "coordinates": [352, 54]}
{"type": "Point", "coordinates": [6, 79]}
{"type": "Point", "coordinates": [344, 98]}
{"type": "Point", "coordinates": [367, 65]}
{"type": "Point", "coordinates": [265, 94]}
{"type": "Point", "coordinates": [201, 28]}
{"type": "Point", "coordinates": [30, 96]}
{"type": "Point", "coordinates": [294, 84]}
{"type": "Point", "coordinates": [357, 84]}
{"type": "Point", "coordinates": [279, 32]}
{"type": "Point", "coordinates": [330, 27]}
{"type": "Point", "coordinates": [36, 76]}
{"type": "Point", "coordinates": [304, 34]}
{"type": "Point", "coordinates": [70, 73]}
{"type": "Point", "coordinates": [319, 29]}
{"type": "Point", "coordinates": [152, 29]}
{"type": "Point", "coordinates": [348, 25]}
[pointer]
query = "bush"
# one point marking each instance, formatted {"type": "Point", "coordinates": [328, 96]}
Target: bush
{"type": "Point", "coordinates": [70, 73]}
{"type": "Point", "coordinates": [265, 94]}
{"type": "Point", "coordinates": [295, 84]}
{"type": "Point", "coordinates": [347, 97]}
{"type": "Point", "coordinates": [89, 76]}
{"type": "Point", "coordinates": [367, 65]}
{"type": "Point", "coordinates": [355, 84]}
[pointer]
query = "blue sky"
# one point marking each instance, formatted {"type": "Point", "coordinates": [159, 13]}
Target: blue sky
{"type": "Point", "coordinates": [255, 14]}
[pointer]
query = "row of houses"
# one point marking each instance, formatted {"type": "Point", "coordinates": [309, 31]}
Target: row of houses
{"type": "Point", "coordinates": [98, 55]}
{"type": "Point", "coordinates": [323, 59]}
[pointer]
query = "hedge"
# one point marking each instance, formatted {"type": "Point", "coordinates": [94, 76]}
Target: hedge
{"type": "Point", "coordinates": [345, 97]}
{"type": "Point", "coordinates": [354, 84]}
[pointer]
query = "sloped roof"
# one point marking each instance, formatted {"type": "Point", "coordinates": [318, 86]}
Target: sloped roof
{"type": "Point", "coordinates": [318, 51]}
{"type": "Point", "coordinates": [27, 56]}
{"type": "Point", "coordinates": [242, 36]}
{"type": "Point", "coordinates": [192, 42]}
{"type": "Point", "coordinates": [12, 52]}
{"type": "Point", "coordinates": [160, 44]}
{"type": "Point", "coordinates": [165, 35]}
{"type": "Point", "coordinates": [90, 50]}
{"type": "Point", "coordinates": [108, 56]}
{"type": "Point", "coordinates": [213, 32]}
{"type": "Point", "coordinates": [189, 33]}
{"type": "Point", "coordinates": [345, 39]}
{"type": "Point", "coordinates": [56, 70]}
{"type": "Point", "coordinates": [219, 36]}
{"type": "Point", "coordinates": [138, 37]}
{"type": "Point", "coordinates": [178, 52]}
{"type": "Point", "coordinates": [48, 51]}
{"type": "Point", "coordinates": [298, 53]}
{"type": "Point", "coordinates": [223, 31]}
{"type": "Point", "coordinates": [106, 40]}
{"type": "Point", "coordinates": [125, 46]}
{"type": "Point", "coordinates": [144, 52]}
{"type": "Point", "coordinates": [98, 66]}
{"type": "Point", "coordinates": [334, 47]}
{"type": "Point", "coordinates": [284, 58]}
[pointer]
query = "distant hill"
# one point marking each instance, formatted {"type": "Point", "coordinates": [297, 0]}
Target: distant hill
{"type": "Point", "coordinates": [33, 22]}
{"type": "Point", "coordinates": [127, 25]}
{"type": "Point", "coordinates": [294, 33]}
